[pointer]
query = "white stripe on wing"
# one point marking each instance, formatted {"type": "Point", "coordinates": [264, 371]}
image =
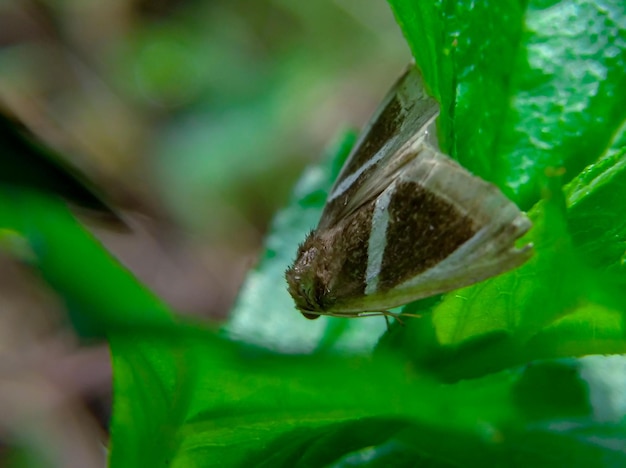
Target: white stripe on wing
{"type": "Point", "coordinates": [377, 240]}
{"type": "Point", "coordinates": [347, 182]}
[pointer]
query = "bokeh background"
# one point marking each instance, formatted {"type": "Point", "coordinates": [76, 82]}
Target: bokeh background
{"type": "Point", "coordinates": [193, 119]}
{"type": "Point", "coordinates": [197, 115]}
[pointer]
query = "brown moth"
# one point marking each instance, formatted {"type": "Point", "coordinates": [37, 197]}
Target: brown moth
{"type": "Point", "coordinates": [403, 221]}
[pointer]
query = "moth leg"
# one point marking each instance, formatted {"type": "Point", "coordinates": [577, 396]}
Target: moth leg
{"type": "Point", "coordinates": [409, 315]}
{"type": "Point", "coordinates": [387, 314]}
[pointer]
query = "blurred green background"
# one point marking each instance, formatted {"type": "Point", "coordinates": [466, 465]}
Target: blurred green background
{"type": "Point", "coordinates": [200, 113]}
{"type": "Point", "coordinates": [195, 118]}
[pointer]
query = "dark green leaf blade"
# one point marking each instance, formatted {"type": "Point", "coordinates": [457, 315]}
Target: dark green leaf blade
{"type": "Point", "coordinates": [26, 162]}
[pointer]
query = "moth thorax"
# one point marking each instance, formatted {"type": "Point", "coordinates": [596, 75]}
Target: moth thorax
{"type": "Point", "coordinates": [307, 278]}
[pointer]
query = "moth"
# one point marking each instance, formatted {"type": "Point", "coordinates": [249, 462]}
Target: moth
{"type": "Point", "coordinates": [403, 221]}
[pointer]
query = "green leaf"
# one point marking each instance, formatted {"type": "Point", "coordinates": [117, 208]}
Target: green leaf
{"type": "Point", "coordinates": [569, 299]}
{"type": "Point", "coordinates": [196, 400]}
{"type": "Point", "coordinates": [598, 233]}
{"type": "Point", "coordinates": [526, 85]}
{"type": "Point", "coordinates": [100, 293]}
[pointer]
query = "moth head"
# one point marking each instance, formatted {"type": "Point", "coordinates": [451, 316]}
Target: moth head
{"type": "Point", "coordinates": [306, 278]}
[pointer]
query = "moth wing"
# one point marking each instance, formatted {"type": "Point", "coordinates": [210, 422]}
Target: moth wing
{"type": "Point", "coordinates": [438, 228]}
{"type": "Point", "coordinates": [404, 111]}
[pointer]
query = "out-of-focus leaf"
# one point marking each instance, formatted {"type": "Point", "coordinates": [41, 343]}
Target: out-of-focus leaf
{"type": "Point", "coordinates": [28, 163]}
{"type": "Point", "coordinates": [214, 403]}
{"type": "Point", "coordinates": [101, 294]}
